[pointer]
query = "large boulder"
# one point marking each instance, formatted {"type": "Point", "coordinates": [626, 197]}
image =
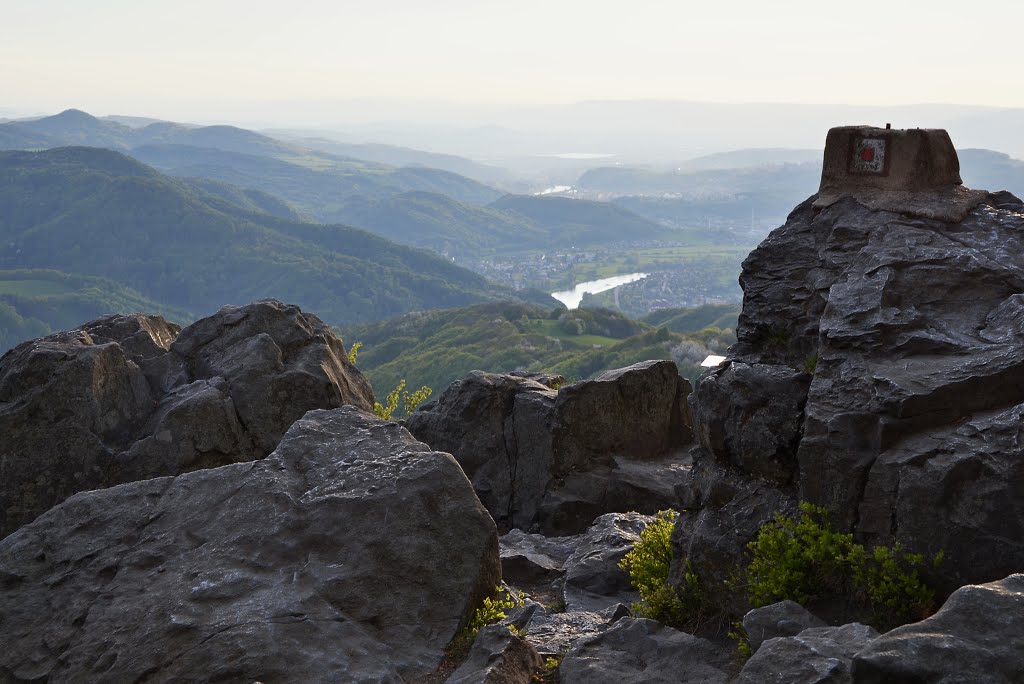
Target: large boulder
{"type": "Point", "coordinates": [352, 553]}
{"type": "Point", "coordinates": [128, 398]}
{"type": "Point", "coordinates": [782, 619]}
{"type": "Point", "coordinates": [818, 655]}
{"type": "Point", "coordinates": [977, 636]}
{"type": "Point", "coordinates": [909, 330]}
{"type": "Point", "coordinates": [553, 460]}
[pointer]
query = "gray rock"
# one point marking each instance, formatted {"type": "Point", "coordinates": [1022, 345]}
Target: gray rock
{"type": "Point", "coordinates": [128, 398]}
{"type": "Point", "coordinates": [728, 509]}
{"type": "Point", "coordinates": [552, 461]}
{"type": "Point", "coordinates": [782, 619]}
{"type": "Point", "coordinates": [593, 579]}
{"type": "Point", "coordinates": [750, 416]}
{"type": "Point", "coordinates": [910, 430]}
{"type": "Point", "coordinates": [531, 558]}
{"type": "Point", "coordinates": [815, 656]}
{"type": "Point", "coordinates": [644, 652]}
{"type": "Point", "coordinates": [553, 633]}
{"type": "Point", "coordinates": [498, 657]}
{"type": "Point", "coordinates": [977, 637]}
{"type": "Point", "coordinates": [318, 563]}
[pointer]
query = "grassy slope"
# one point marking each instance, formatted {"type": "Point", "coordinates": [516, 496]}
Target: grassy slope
{"type": "Point", "coordinates": [434, 348]}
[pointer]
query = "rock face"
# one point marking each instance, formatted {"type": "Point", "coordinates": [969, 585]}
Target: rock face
{"type": "Point", "coordinates": [352, 553]}
{"type": "Point", "coordinates": [977, 636]}
{"type": "Point", "coordinates": [895, 346]}
{"type": "Point", "coordinates": [128, 398]}
{"type": "Point", "coordinates": [553, 460]}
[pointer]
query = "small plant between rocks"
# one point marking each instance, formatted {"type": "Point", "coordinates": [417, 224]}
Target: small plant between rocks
{"type": "Point", "coordinates": [492, 609]}
{"type": "Point", "coordinates": [805, 560]}
{"type": "Point", "coordinates": [648, 565]}
{"type": "Point", "coordinates": [410, 400]}
{"type": "Point", "coordinates": [548, 673]}
{"type": "Point", "coordinates": [802, 559]}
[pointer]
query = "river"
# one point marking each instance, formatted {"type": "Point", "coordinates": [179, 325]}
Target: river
{"type": "Point", "coordinates": [572, 298]}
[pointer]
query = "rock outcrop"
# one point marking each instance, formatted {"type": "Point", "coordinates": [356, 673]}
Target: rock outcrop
{"type": "Point", "coordinates": [351, 553]}
{"type": "Point", "coordinates": [553, 460]}
{"type": "Point", "coordinates": [128, 398]}
{"type": "Point", "coordinates": [977, 636]}
{"type": "Point", "coordinates": [894, 346]}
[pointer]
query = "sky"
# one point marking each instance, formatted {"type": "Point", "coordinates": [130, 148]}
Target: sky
{"type": "Point", "coordinates": [194, 58]}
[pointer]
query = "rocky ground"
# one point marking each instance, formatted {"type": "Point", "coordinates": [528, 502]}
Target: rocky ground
{"type": "Point", "coordinates": [217, 503]}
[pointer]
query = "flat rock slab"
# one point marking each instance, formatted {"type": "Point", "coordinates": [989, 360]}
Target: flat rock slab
{"type": "Point", "coordinates": [643, 651]}
{"type": "Point", "coordinates": [352, 553]}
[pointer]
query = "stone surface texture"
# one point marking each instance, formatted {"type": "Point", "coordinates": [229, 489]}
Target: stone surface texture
{"type": "Point", "coordinates": [133, 397]}
{"type": "Point", "coordinates": [553, 460]}
{"type": "Point", "coordinates": [815, 656]}
{"type": "Point", "coordinates": [641, 651]}
{"type": "Point", "coordinates": [593, 579]}
{"type": "Point", "coordinates": [977, 636]}
{"type": "Point", "coordinates": [782, 619]}
{"type": "Point", "coordinates": [498, 657]}
{"type": "Point", "coordinates": [911, 331]}
{"type": "Point", "coordinates": [352, 553]}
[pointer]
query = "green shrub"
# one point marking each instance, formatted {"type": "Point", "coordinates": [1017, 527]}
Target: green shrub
{"type": "Point", "coordinates": [738, 633]}
{"type": "Point", "coordinates": [353, 352]}
{"type": "Point", "coordinates": [806, 560]}
{"type": "Point", "coordinates": [648, 564]}
{"type": "Point", "coordinates": [386, 411]}
{"type": "Point", "coordinates": [811, 363]}
{"type": "Point", "coordinates": [889, 580]}
{"type": "Point", "coordinates": [548, 673]}
{"type": "Point", "coordinates": [797, 559]}
{"type": "Point", "coordinates": [492, 609]}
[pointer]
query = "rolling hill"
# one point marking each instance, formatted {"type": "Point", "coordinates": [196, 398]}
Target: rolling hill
{"type": "Point", "coordinates": [87, 212]}
{"type": "Point", "coordinates": [435, 348]}
{"type": "Point", "coordinates": [245, 158]}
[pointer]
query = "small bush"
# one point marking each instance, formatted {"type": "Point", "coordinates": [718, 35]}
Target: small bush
{"type": "Point", "coordinates": [492, 609]}
{"type": "Point", "coordinates": [353, 352]}
{"type": "Point", "coordinates": [811, 363]}
{"type": "Point", "coordinates": [889, 579]}
{"type": "Point", "coordinates": [797, 559]}
{"type": "Point", "coordinates": [648, 566]}
{"type": "Point", "coordinates": [386, 411]}
{"type": "Point", "coordinates": [806, 560]}
{"type": "Point", "coordinates": [549, 670]}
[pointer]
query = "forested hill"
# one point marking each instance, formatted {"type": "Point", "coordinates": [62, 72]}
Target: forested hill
{"type": "Point", "coordinates": [313, 180]}
{"type": "Point", "coordinates": [94, 213]}
{"type": "Point", "coordinates": [434, 348]}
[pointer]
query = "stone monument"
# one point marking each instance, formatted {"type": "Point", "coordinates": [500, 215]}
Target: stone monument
{"type": "Point", "coordinates": [914, 171]}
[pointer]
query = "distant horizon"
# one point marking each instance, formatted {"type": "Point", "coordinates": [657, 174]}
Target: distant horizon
{"type": "Point", "coordinates": [481, 108]}
{"type": "Point", "coordinates": [123, 56]}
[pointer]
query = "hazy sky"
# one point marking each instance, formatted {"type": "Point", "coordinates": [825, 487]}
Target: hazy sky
{"type": "Point", "coordinates": [186, 58]}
